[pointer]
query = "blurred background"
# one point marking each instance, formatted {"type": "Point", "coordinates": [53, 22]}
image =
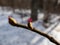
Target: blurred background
{"type": "Point", "coordinates": [45, 15]}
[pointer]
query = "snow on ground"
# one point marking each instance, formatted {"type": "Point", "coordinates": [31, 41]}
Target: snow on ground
{"type": "Point", "coordinates": [56, 33]}
{"type": "Point", "coordinates": [10, 35]}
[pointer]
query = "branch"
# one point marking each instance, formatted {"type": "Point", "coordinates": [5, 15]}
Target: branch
{"type": "Point", "coordinates": [29, 27]}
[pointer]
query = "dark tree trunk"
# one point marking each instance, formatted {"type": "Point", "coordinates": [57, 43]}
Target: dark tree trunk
{"type": "Point", "coordinates": [49, 7]}
{"type": "Point", "coordinates": [45, 5]}
{"type": "Point", "coordinates": [34, 8]}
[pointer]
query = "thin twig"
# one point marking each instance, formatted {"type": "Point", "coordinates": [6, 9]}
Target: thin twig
{"type": "Point", "coordinates": [39, 32]}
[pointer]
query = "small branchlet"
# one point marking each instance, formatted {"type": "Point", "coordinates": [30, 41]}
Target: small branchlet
{"type": "Point", "coordinates": [29, 27]}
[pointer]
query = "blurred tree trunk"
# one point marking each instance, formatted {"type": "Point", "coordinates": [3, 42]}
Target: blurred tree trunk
{"type": "Point", "coordinates": [34, 8]}
{"type": "Point", "coordinates": [46, 10]}
{"type": "Point", "coordinates": [49, 6]}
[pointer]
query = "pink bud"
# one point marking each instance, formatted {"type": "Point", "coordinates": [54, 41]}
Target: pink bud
{"type": "Point", "coordinates": [30, 20]}
{"type": "Point", "coordinates": [9, 16]}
